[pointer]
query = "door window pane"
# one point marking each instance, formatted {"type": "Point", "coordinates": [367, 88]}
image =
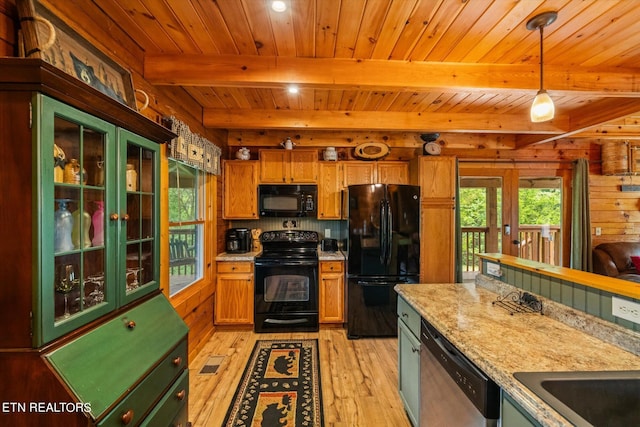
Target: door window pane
{"type": "Point", "coordinates": [480, 220]}
{"type": "Point", "coordinates": [540, 210]}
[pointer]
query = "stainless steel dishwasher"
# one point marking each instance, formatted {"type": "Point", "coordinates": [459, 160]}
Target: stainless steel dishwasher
{"type": "Point", "coordinates": [453, 391]}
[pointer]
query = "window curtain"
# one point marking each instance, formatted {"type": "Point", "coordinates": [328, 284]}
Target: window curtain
{"type": "Point", "coordinates": [194, 149]}
{"type": "Point", "coordinates": [581, 258]}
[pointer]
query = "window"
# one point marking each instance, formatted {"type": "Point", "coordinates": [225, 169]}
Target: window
{"type": "Point", "coordinates": [186, 225]}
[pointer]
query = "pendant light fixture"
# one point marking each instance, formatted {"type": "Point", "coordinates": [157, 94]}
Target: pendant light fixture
{"type": "Point", "coordinates": [542, 108]}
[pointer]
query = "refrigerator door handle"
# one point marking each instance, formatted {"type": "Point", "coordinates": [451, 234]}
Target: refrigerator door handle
{"type": "Point", "coordinates": [383, 233]}
{"type": "Point", "coordinates": [389, 233]}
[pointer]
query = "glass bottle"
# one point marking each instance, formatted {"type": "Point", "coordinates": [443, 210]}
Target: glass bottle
{"type": "Point", "coordinates": [63, 227]}
{"type": "Point", "coordinates": [80, 231]}
{"type": "Point", "coordinates": [72, 172]}
{"type": "Point", "coordinates": [98, 224]}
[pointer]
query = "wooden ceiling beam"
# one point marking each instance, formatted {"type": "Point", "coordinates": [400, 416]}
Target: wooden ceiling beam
{"type": "Point", "coordinates": [346, 139]}
{"type": "Point", "coordinates": [376, 120]}
{"type": "Point", "coordinates": [586, 118]}
{"type": "Point", "coordinates": [372, 74]}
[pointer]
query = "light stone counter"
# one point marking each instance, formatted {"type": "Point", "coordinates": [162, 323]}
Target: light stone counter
{"type": "Point", "coordinates": [501, 344]}
{"type": "Point", "coordinates": [330, 256]}
{"type": "Point", "coordinates": [249, 256]}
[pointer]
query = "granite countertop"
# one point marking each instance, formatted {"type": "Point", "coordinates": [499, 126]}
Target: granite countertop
{"type": "Point", "coordinates": [330, 256]}
{"type": "Point", "coordinates": [250, 256]}
{"type": "Point", "coordinates": [500, 343]}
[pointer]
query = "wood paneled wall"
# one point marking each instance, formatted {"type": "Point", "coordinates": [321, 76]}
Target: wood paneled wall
{"type": "Point", "coordinates": [614, 211]}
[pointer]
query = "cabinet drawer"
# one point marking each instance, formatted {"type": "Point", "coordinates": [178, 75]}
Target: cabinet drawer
{"type": "Point", "coordinates": [171, 405]}
{"type": "Point", "coordinates": [138, 402]}
{"type": "Point", "coordinates": [331, 266]}
{"type": "Point", "coordinates": [235, 267]}
{"type": "Point", "coordinates": [409, 316]}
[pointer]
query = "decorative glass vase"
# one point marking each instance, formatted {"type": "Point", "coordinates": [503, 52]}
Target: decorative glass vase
{"type": "Point", "coordinates": [98, 224]}
{"type": "Point", "coordinates": [80, 232]}
{"type": "Point", "coordinates": [63, 226]}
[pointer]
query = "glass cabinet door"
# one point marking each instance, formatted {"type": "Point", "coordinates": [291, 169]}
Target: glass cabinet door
{"type": "Point", "coordinates": [139, 203]}
{"type": "Point", "coordinates": [76, 268]}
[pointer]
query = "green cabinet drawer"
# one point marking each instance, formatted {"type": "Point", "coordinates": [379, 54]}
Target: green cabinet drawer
{"type": "Point", "coordinates": [137, 403]}
{"type": "Point", "coordinates": [104, 364]}
{"type": "Point", "coordinates": [409, 316]}
{"type": "Point", "coordinates": [171, 406]}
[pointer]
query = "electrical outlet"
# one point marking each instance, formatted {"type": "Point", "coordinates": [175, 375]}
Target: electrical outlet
{"type": "Point", "coordinates": [494, 269]}
{"type": "Point", "coordinates": [598, 231]}
{"type": "Point", "coordinates": [625, 309]}
{"type": "Point", "coordinates": [327, 233]}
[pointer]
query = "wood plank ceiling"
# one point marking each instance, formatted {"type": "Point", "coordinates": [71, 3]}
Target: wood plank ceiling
{"type": "Point", "coordinates": [452, 66]}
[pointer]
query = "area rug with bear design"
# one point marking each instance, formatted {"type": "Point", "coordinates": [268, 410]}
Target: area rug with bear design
{"type": "Point", "coordinates": [280, 386]}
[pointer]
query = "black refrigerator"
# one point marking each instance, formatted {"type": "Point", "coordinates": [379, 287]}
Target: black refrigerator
{"type": "Point", "coordinates": [383, 250]}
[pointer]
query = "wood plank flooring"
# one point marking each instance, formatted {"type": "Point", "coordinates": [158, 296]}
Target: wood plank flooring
{"type": "Point", "coordinates": [359, 378]}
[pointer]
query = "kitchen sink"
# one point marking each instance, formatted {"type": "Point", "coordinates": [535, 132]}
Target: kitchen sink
{"type": "Point", "coordinates": [600, 398]}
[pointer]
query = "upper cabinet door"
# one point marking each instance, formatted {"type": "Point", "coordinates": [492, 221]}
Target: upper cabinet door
{"type": "Point", "coordinates": [139, 203]}
{"type": "Point", "coordinates": [76, 186]}
{"type": "Point", "coordinates": [240, 195]}
{"type": "Point", "coordinates": [303, 166]}
{"type": "Point", "coordinates": [273, 166]}
{"type": "Point", "coordinates": [393, 172]}
{"type": "Point", "coordinates": [288, 166]}
{"type": "Point", "coordinates": [437, 177]}
{"type": "Point", "coordinates": [355, 173]}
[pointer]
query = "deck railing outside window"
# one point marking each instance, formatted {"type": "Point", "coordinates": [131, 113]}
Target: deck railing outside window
{"type": "Point", "coordinates": [534, 245]}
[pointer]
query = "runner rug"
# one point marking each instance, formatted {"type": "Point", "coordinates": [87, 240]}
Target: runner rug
{"type": "Point", "coordinates": [280, 387]}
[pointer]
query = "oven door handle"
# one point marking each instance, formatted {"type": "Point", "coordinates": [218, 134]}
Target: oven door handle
{"type": "Point", "coordinates": [287, 263]}
{"type": "Point", "coordinates": [285, 321]}
{"type": "Point", "coordinates": [379, 282]}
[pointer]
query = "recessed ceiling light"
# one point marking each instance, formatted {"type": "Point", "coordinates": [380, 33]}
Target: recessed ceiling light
{"type": "Point", "coordinates": [278, 6]}
{"type": "Point", "coordinates": [293, 89]}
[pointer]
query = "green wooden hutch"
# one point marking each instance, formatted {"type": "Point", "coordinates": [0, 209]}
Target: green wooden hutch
{"type": "Point", "coordinates": [88, 338]}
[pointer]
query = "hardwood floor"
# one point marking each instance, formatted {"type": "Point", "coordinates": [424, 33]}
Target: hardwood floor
{"type": "Point", "coordinates": [359, 378]}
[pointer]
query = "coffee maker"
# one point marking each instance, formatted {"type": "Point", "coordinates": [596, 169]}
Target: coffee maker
{"type": "Point", "coordinates": [238, 240]}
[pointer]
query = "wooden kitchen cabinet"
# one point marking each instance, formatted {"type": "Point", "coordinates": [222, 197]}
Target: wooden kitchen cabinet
{"type": "Point", "coordinates": [329, 190]}
{"type": "Point", "coordinates": [437, 180]}
{"type": "Point", "coordinates": [83, 299]}
{"type": "Point", "coordinates": [392, 172]}
{"type": "Point", "coordinates": [381, 172]}
{"type": "Point", "coordinates": [356, 172]}
{"type": "Point", "coordinates": [240, 193]}
{"type": "Point", "coordinates": [288, 166]}
{"type": "Point", "coordinates": [331, 292]}
{"type": "Point", "coordinates": [234, 293]}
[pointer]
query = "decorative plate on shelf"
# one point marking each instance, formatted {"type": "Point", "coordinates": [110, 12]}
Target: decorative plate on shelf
{"type": "Point", "coordinates": [371, 150]}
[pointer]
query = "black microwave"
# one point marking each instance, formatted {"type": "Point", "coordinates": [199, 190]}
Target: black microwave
{"type": "Point", "coordinates": [287, 200]}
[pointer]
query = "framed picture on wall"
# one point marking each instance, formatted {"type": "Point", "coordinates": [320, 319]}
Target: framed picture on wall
{"type": "Point", "coordinates": [47, 37]}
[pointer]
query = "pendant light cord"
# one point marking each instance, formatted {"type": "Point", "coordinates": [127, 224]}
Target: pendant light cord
{"type": "Point", "coordinates": [541, 60]}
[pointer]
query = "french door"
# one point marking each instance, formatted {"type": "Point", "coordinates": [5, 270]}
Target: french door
{"type": "Point", "coordinates": [521, 211]}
